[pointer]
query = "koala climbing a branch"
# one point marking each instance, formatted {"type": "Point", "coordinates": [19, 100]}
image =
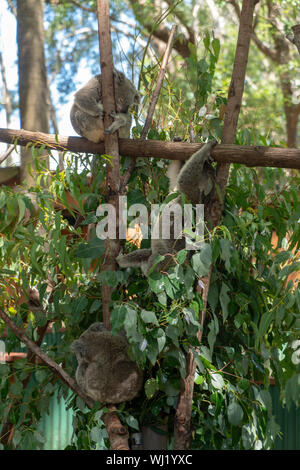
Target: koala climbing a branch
{"type": "Point", "coordinates": [87, 112]}
{"type": "Point", "coordinates": [195, 180]}
{"type": "Point", "coordinates": [105, 372]}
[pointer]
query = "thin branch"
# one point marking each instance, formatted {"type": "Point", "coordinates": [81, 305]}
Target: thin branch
{"type": "Point", "coordinates": [183, 21]}
{"type": "Point", "coordinates": [153, 103]}
{"type": "Point", "coordinates": [8, 427]}
{"type": "Point", "coordinates": [159, 83]}
{"type": "Point", "coordinates": [78, 4]}
{"type": "Point", "coordinates": [271, 53]}
{"type": "Point", "coordinates": [6, 154]}
{"type": "Point", "coordinates": [12, 7]}
{"type": "Point", "coordinates": [161, 32]}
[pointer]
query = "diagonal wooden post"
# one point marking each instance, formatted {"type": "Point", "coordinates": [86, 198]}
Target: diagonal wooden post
{"type": "Point", "coordinates": [118, 434]}
{"type": "Point", "coordinates": [110, 144]}
{"type": "Point", "coordinates": [182, 426]}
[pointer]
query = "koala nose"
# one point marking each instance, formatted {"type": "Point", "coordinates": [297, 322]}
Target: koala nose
{"type": "Point", "coordinates": [124, 109]}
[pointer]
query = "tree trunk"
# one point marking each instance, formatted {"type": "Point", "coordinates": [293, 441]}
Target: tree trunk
{"type": "Point", "coordinates": [6, 98]}
{"type": "Point", "coordinates": [291, 110]}
{"type": "Point", "coordinates": [33, 87]}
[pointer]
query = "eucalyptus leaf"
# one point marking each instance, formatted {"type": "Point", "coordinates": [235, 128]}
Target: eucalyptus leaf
{"type": "Point", "coordinates": [149, 317]}
{"type": "Point", "coordinates": [181, 256]}
{"type": "Point", "coordinates": [161, 341]}
{"type": "Point", "coordinates": [224, 300]}
{"type": "Point", "coordinates": [132, 422]}
{"type": "Point", "coordinates": [265, 322]}
{"type": "Point", "coordinates": [235, 413]}
{"type": "Point", "coordinates": [93, 249]}
{"type": "Point", "coordinates": [217, 381]}
{"type": "Point", "coordinates": [151, 387]}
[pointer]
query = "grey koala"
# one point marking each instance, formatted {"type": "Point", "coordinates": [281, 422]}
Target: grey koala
{"type": "Point", "coordinates": [105, 372]}
{"type": "Point", "coordinates": [195, 180]}
{"type": "Point", "coordinates": [87, 112]}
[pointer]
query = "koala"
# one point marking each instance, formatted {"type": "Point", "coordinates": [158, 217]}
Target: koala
{"type": "Point", "coordinates": [105, 372]}
{"type": "Point", "coordinates": [87, 112]}
{"type": "Point", "coordinates": [195, 180]}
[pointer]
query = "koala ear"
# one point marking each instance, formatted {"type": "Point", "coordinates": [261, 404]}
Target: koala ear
{"type": "Point", "coordinates": [119, 76]}
{"type": "Point", "coordinates": [98, 326]}
{"type": "Point", "coordinates": [79, 349]}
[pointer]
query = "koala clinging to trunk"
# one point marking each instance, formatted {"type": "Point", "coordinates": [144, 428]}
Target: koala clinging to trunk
{"type": "Point", "coordinates": [105, 372]}
{"type": "Point", "coordinates": [195, 180]}
{"type": "Point", "coordinates": [87, 112]}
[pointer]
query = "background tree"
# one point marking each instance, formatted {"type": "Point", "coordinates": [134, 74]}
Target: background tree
{"type": "Point", "coordinates": [281, 53]}
{"type": "Point", "coordinates": [33, 85]}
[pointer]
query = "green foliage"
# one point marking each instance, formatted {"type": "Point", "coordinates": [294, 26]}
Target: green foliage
{"type": "Point", "coordinates": [252, 319]}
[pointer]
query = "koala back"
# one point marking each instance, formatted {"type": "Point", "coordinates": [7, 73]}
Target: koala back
{"type": "Point", "coordinates": [105, 372]}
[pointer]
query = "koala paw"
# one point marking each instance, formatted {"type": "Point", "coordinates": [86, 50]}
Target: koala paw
{"type": "Point", "coordinates": [213, 142]}
{"type": "Point", "coordinates": [119, 258]}
{"type": "Point", "coordinates": [101, 110]}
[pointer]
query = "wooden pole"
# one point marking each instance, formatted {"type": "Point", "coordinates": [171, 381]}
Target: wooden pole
{"type": "Point", "coordinates": [118, 434]}
{"type": "Point", "coordinates": [111, 145]}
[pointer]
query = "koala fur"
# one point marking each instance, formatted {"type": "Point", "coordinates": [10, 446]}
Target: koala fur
{"type": "Point", "coordinates": [195, 180]}
{"type": "Point", "coordinates": [87, 112]}
{"type": "Point", "coordinates": [105, 372]}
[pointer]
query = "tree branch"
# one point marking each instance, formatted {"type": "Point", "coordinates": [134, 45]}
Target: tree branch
{"type": "Point", "coordinates": [153, 103]}
{"type": "Point", "coordinates": [161, 32]}
{"type": "Point", "coordinates": [35, 349]}
{"type": "Point", "coordinates": [183, 21]}
{"type": "Point", "coordinates": [6, 154]}
{"type": "Point", "coordinates": [271, 53]}
{"type": "Point", "coordinates": [117, 433]}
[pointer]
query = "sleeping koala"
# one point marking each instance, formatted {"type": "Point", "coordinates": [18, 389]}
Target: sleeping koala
{"type": "Point", "coordinates": [105, 372]}
{"type": "Point", "coordinates": [195, 180]}
{"type": "Point", "coordinates": [87, 112]}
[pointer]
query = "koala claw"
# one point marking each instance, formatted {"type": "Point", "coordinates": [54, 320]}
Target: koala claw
{"type": "Point", "coordinates": [121, 253]}
{"type": "Point", "coordinates": [108, 131]}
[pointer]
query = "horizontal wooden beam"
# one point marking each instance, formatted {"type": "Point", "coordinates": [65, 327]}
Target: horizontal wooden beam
{"type": "Point", "coordinates": [247, 155]}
